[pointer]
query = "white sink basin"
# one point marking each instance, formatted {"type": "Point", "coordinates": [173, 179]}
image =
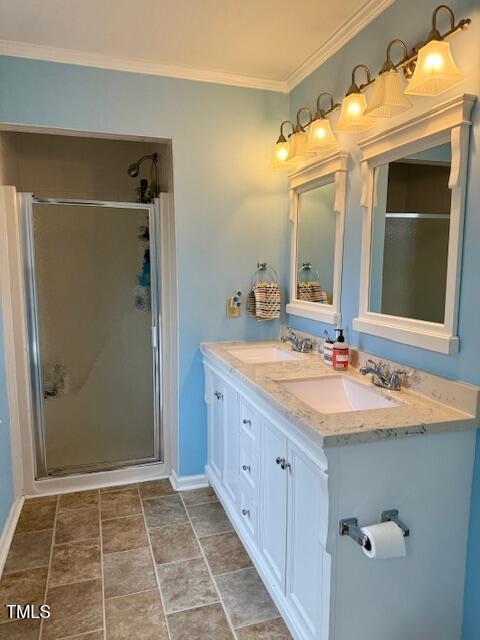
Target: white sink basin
{"type": "Point", "coordinates": [337, 394]}
{"type": "Point", "coordinates": [267, 353]}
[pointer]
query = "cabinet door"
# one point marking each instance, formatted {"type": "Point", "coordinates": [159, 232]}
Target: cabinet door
{"type": "Point", "coordinates": [215, 399]}
{"type": "Point", "coordinates": [231, 429]}
{"type": "Point", "coordinates": [306, 557]}
{"type": "Point", "coordinates": [274, 501]}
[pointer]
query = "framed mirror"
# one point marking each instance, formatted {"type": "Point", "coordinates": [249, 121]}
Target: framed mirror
{"type": "Point", "coordinates": [413, 193]}
{"type": "Point", "coordinates": [317, 215]}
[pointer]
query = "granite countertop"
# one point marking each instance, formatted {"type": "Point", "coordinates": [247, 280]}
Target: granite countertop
{"type": "Point", "coordinates": [417, 414]}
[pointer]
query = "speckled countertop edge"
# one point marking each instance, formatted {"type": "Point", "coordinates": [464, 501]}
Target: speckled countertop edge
{"type": "Point", "coordinates": [416, 415]}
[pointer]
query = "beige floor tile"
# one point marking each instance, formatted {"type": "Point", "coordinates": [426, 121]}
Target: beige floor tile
{"type": "Point", "coordinates": [199, 496]}
{"type": "Point", "coordinates": [24, 587]}
{"type": "Point", "coordinates": [136, 617]}
{"type": "Point", "coordinates": [225, 553]}
{"type": "Point", "coordinates": [185, 585]}
{"type": "Point", "coordinates": [208, 519]}
{"type": "Point", "coordinates": [128, 572]}
{"type": "Point", "coordinates": [160, 512]}
{"type": "Point", "coordinates": [155, 489]}
{"type": "Point", "coordinates": [203, 623]}
{"type": "Point", "coordinates": [94, 635]}
{"type": "Point", "coordinates": [176, 542]}
{"type": "Point", "coordinates": [77, 524]}
{"type": "Point", "coordinates": [29, 551]}
{"type": "Point", "coordinates": [78, 500]}
{"type": "Point", "coordinates": [75, 561]}
{"type": "Point", "coordinates": [36, 516]}
{"type": "Point", "coordinates": [75, 609]}
{"type": "Point", "coordinates": [41, 499]}
{"type": "Point", "coordinates": [20, 630]}
{"type": "Point", "coordinates": [245, 597]}
{"type": "Point", "coordinates": [121, 534]}
{"type": "Point", "coordinates": [119, 487]}
{"type": "Point", "coordinates": [271, 630]}
{"type": "Point", "coordinates": [115, 504]}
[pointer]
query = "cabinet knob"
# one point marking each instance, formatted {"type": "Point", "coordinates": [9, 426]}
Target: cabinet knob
{"type": "Point", "coordinates": [280, 461]}
{"type": "Point", "coordinates": [285, 465]}
{"type": "Point", "coordinates": [246, 467]}
{"type": "Point", "coordinates": [245, 512]}
{"type": "Point", "coordinates": [245, 421]}
{"type": "Point", "coordinates": [218, 395]}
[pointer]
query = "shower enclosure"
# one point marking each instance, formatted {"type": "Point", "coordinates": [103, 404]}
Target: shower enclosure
{"type": "Point", "coordinates": [93, 316]}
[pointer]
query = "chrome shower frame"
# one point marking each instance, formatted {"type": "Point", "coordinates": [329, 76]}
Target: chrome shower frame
{"type": "Point", "coordinates": [26, 202]}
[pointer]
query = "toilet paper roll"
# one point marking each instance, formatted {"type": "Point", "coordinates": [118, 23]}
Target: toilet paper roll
{"type": "Point", "coordinates": [386, 541]}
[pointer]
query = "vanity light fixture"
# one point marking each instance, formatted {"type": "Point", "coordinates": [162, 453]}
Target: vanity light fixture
{"type": "Point", "coordinates": [299, 139]}
{"type": "Point", "coordinates": [435, 69]}
{"type": "Point", "coordinates": [320, 135]}
{"type": "Point", "coordinates": [352, 118]}
{"type": "Point", "coordinates": [388, 98]}
{"type": "Point", "coordinates": [281, 148]}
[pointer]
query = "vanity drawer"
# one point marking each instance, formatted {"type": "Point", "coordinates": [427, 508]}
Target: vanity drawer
{"type": "Point", "coordinates": [248, 509]}
{"type": "Point", "coordinates": [248, 465]}
{"type": "Point", "coordinates": [249, 421]}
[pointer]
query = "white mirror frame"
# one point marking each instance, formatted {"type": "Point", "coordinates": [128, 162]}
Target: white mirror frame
{"type": "Point", "coordinates": [447, 122]}
{"type": "Point", "coordinates": [331, 168]}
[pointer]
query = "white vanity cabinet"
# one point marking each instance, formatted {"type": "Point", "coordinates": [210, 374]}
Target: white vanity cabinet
{"type": "Point", "coordinates": [276, 495]}
{"type": "Point", "coordinates": [285, 496]}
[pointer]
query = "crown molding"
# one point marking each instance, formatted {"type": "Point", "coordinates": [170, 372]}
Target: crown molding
{"type": "Point", "coordinates": [358, 21]}
{"type": "Point", "coordinates": [131, 65]}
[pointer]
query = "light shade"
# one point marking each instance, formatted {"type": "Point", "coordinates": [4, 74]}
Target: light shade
{"type": "Point", "coordinates": [298, 147]}
{"type": "Point", "coordinates": [320, 136]}
{"type": "Point", "coordinates": [351, 118]}
{"type": "Point", "coordinates": [435, 71]}
{"type": "Point", "coordinates": [388, 98]}
{"type": "Point", "coordinates": [280, 154]}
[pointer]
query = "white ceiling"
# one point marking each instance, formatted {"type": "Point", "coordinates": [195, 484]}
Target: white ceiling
{"type": "Point", "coordinates": [263, 43]}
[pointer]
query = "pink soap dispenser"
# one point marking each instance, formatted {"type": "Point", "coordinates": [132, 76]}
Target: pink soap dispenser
{"type": "Point", "coordinates": [341, 352]}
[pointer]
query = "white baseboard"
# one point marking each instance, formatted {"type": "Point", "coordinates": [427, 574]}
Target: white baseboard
{"type": "Point", "coordinates": [8, 530]}
{"type": "Point", "coordinates": [185, 483]}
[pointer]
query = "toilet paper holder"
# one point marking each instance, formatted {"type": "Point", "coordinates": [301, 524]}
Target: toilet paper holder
{"type": "Point", "coordinates": [349, 527]}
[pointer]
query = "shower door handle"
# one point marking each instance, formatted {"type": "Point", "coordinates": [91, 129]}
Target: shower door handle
{"type": "Point", "coordinates": [154, 337]}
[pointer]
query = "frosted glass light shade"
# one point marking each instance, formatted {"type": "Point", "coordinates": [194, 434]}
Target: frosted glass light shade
{"type": "Point", "coordinates": [298, 147]}
{"type": "Point", "coordinates": [351, 118]}
{"type": "Point", "coordinates": [388, 98]}
{"type": "Point", "coordinates": [320, 135]}
{"type": "Point", "coordinates": [435, 71]}
{"type": "Point", "coordinates": [280, 155]}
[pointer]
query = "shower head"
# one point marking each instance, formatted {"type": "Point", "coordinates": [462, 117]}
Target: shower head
{"type": "Point", "coordinates": [134, 169]}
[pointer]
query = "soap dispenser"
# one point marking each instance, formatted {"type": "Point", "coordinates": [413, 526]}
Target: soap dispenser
{"type": "Point", "coordinates": [341, 352]}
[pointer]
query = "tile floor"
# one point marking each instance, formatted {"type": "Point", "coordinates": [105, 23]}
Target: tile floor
{"type": "Point", "coordinates": [139, 562]}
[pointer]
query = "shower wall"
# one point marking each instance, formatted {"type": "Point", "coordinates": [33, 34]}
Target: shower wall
{"type": "Point", "coordinates": [57, 166]}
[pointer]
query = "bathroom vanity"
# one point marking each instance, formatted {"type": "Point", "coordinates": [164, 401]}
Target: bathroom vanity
{"type": "Point", "coordinates": [294, 447]}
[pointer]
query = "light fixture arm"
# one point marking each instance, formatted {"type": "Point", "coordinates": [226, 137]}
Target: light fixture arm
{"type": "Point", "coordinates": [388, 64]}
{"type": "Point", "coordinates": [281, 137]}
{"type": "Point", "coordinates": [299, 127]}
{"type": "Point", "coordinates": [321, 113]}
{"type": "Point", "coordinates": [354, 87]}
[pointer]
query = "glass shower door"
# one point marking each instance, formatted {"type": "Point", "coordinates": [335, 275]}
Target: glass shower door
{"type": "Point", "coordinates": [93, 316]}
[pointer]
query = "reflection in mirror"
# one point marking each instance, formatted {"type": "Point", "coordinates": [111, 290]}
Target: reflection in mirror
{"type": "Point", "coordinates": [411, 222]}
{"type": "Point", "coordinates": [316, 244]}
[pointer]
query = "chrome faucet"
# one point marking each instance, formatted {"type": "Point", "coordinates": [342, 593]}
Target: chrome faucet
{"type": "Point", "coordinates": [303, 345]}
{"type": "Point", "coordinates": [382, 377]}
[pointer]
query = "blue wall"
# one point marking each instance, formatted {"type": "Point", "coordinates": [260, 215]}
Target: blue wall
{"type": "Point", "coordinates": [6, 488]}
{"type": "Point", "coordinates": [230, 208]}
{"type": "Point", "coordinates": [410, 20]}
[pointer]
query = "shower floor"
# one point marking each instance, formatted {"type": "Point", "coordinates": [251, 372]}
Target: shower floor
{"type": "Point", "coordinates": [138, 562]}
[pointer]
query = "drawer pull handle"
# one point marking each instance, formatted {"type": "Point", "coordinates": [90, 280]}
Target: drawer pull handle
{"type": "Point", "coordinates": [218, 395]}
{"type": "Point", "coordinates": [246, 467]}
{"type": "Point", "coordinates": [283, 463]}
{"type": "Point", "coordinates": [245, 421]}
{"type": "Point", "coordinates": [245, 512]}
